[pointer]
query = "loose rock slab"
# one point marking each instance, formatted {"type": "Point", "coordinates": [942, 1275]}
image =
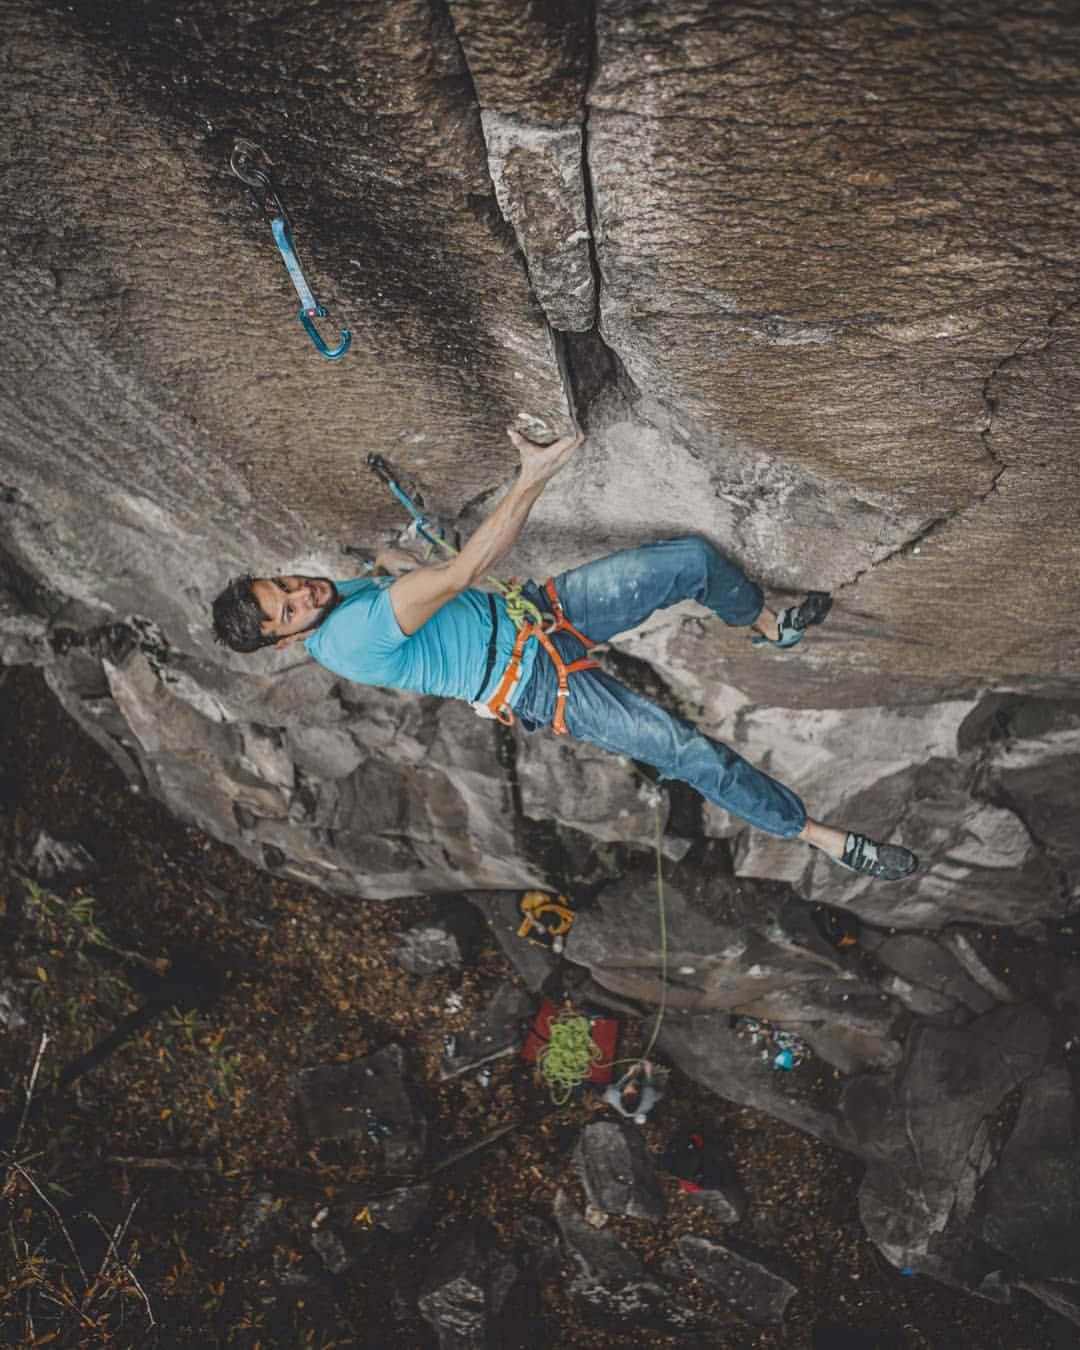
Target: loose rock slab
{"type": "Point", "coordinates": [609, 1280]}
{"type": "Point", "coordinates": [468, 1284]}
{"type": "Point", "coordinates": [496, 1032]}
{"type": "Point", "coordinates": [367, 1097]}
{"type": "Point", "coordinates": [754, 1286]}
{"type": "Point", "coordinates": [613, 1161]}
{"type": "Point", "coordinates": [58, 862]}
{"type": "Point", "coordinates": [441, 941]}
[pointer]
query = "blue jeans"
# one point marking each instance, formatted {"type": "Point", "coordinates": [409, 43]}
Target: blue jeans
{"type": "Point", "coordinates": [615, 594]}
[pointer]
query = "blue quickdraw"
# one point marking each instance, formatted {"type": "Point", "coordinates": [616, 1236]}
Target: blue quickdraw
{"type": "Point", "coordinates": [521, 610]}
{"type": "Point", "coordinates": [424, 525]}
{"type": "Point", "coordinates": [252, 166]}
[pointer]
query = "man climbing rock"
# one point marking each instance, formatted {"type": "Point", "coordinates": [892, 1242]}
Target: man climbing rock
{"type": "Point", "coordinates": [428, 628]}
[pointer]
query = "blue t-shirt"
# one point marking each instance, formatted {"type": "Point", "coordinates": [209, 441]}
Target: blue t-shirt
{"type": "Point", "coordinates": [361, 640]}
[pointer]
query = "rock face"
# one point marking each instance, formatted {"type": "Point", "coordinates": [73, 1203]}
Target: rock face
{"type": "Point", "coordinates": [742, 946]}
{"type": "Point", "coordinates": [806, 279]}
{"type": "Point", "coordinates": [969, 1142]}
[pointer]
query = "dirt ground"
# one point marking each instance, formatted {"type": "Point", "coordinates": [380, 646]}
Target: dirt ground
{"type": "Point", "coordinates": [197, 985]}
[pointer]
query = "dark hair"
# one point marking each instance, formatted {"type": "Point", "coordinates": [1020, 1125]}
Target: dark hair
{"type": "Point", "coordinates": [238, 617]}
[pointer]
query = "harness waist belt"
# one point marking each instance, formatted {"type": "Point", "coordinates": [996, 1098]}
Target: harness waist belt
{"type": "Point", "coordinates": [498, 705]}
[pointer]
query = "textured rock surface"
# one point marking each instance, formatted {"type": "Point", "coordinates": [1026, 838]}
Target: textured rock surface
{"type": "Point", "coordinates": [443, 940]}
{"type": "Point", "coordinates": [742, 946]}
{"type": "Point", "coordinates": [750, 1281]}
{"type": "Point", "coordinates": [824, 290]}
{"type": "Point", "coordinates": [829, 260]}
{"type": "Point", "coordinates": [59, 862]}
{"type": "Point", "coordinates": [609, 1281]}
{"type": "Point", "coordinates": [612, 1160]}
{"type": "Point", "coordinates": [467, 1287]}
{"type": "Point", "coordinates": [498, 1031]}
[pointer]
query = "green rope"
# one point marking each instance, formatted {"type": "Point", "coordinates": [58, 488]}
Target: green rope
{"type": "Point", "coordinates": [521, 611]}
{"type": "Point", "coordinates": [569, 1056]}
{"type": "Point", "coordinates": [663, 924]}
{"type": "Point", "coordinates": [662, 913]}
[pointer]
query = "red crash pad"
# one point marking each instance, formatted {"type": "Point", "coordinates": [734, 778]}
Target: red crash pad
{"type": "Point", "coordinates": [604, 1031]}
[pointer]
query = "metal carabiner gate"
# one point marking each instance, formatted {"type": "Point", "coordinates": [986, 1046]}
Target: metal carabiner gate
{"type": "Point", "coordinates": [252, 166]}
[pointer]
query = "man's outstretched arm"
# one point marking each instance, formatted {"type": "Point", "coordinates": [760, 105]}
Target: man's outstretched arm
{"type": "Point", "coordinates": [417, 596]}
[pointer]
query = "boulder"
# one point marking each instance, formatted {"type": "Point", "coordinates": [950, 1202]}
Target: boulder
{"type": "Point", "coordinates": [467, 1287]}
{"type": "Point", "coordinates": [253, 1232]}
{"type": "Point", "coordinates": [613, 1162]}
{"type": "Point", "coordinates": [533, 963]}
{"type": "Point", "coordinates": [608, 1281]}
{"type": "Point", "coordinates": [330, 1247]}
{"type": "Point", "coordinates": [929, 1136]}
{"type": "Point", "coordinates": [14, 1006]}
{"type": "Point", "coordinates": [541, 1240]}
{"type": "Point", "coordinates": [758, 1286]}
{"type": "Point", "coordinates": [924, 963]}
{"type": "Point", "coordinates": [59, 862]}
{"type": "Point", "coordinates": [1029, 1206]}
{"type": "Point", "coordinates": [399, 1211]}
{"type": "Point", "coordinates": [441, 941]}
{"type": "Point", "coordinates": [496, 1032]}
{"type": "Point", "coordinates": [368, 1098]}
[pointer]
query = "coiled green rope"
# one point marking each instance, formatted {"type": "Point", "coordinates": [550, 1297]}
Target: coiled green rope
{"type": "Point", "coordinates": [568, 1058]}
{"type": "Point", "coordinates": [662, 912]}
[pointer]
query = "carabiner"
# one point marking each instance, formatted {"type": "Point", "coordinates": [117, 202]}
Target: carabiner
{"type": "Point", "coordinates": [424, 524]}
{"type": "Point", "coordinates": [319, 312]}
{"type": "Point", "coordinates": [252, 165]}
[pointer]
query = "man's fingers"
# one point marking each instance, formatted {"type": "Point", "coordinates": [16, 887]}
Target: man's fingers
{"type": "Point", "coordinates": [568, 442]}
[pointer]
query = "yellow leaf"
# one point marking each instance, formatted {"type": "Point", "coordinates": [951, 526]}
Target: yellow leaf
{"type": "Point", "coordinates": [166, 1113]}
{"type": "Point", "coordinates": [41, 975]}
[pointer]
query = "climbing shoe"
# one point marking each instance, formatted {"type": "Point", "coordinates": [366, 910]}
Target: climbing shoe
{"type": "Point", "coordinates": [883, 862]}
{"type": "Point", "coordinates": [794, 622]}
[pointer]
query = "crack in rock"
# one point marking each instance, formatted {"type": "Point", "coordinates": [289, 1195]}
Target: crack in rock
{"type": "Point", "coordinates": [1030, 346]}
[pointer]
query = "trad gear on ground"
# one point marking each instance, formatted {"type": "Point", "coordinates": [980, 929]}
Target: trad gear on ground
{"type": "Point", "coordinates": [546, 919]}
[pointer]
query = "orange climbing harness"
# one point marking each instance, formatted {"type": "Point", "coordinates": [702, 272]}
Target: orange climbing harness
{"type": "Point", "coordinates": [498, 705]}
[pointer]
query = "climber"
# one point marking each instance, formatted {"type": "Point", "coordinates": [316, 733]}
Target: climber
{"type": "Point", "coordinates": [427, 628]}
